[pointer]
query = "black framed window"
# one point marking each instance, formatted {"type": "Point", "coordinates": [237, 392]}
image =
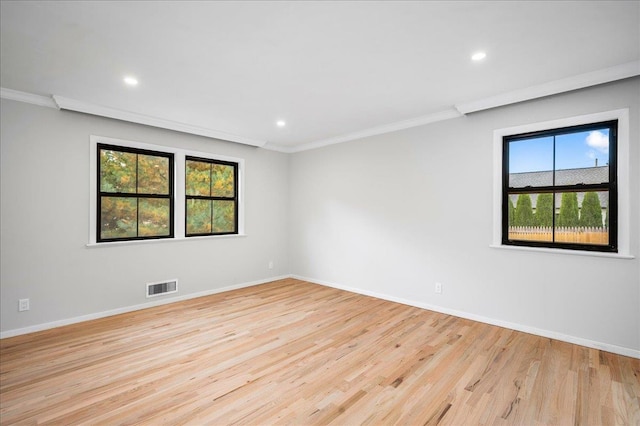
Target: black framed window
{"type": "Point", "coordinates": [559, 188]}
{"type": "Point", "coordinates": [211, 192]}
{"type": "Point", "coordinates": [135, 194]}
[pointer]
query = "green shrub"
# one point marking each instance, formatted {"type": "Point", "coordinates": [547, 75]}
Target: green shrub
{"type": "Point", "coordinates": [569, 212]}
{"type": "Point", "coordinates": [523, 215]}
{"type": "Point", "coordinates": [591, 211]}
{"type": "Point", "coordinates": [544, 210]}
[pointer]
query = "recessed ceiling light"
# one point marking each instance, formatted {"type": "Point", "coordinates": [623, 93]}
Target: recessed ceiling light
{"type": "Point", "coordinates": [281, 123]}
{"type": "Point", "coordinates": [130, 81]}
{"type": "Point", "coordinates": [478, 56]}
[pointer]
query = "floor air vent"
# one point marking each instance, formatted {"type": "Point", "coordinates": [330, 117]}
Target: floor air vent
{"type": "Point", "coordinates": [158, 289]}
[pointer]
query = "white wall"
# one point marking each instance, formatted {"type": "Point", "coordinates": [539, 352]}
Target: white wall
{"type": "Point", "coordinates": [393, 214]}
{"type": "Point", "coordinates": [45, 222]}
{"type": "Point", "coordinates": [383, 215]}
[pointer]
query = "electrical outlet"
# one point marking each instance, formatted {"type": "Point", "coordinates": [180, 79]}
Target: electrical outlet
{"type": "Point", "coordinates": [271, 264]}
{"type": "Point", "coordinates": [438, 288]}
{"type": "Point", "coordinates": [23, 305]}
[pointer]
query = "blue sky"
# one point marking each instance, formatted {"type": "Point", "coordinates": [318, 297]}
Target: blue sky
{"type": "Point", "coordinates": [573, 151]}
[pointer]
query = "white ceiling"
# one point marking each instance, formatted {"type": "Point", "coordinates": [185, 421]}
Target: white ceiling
{"type": "Point", "coordinates": [333, 70]}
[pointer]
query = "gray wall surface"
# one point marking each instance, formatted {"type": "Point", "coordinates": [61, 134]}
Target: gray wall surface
{"type": "Point", "coordinates": [388, 215]}
{"type": "Point", "coordinates": [394, 214]}
{"type": "Point", "coordinates": [45, 222]}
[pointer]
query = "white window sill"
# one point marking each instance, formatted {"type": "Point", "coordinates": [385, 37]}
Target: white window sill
{"type": "Point", "coordinates": [564, 251]}
{"type": "Point", "coordinates": [163, 240]}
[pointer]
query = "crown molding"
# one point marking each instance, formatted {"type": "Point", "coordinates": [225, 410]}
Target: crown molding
{"type": "Point", "coordinates": [379, 130]}
{"type": "Point", "coordinates": [607, 75]}
{"type": "Point", "coordinates": [29, 98]}
{"type": "Point", "coordinates": [628, 70]}
{"type": "Point", "coordinates": [88, 108]}
{"type": "Point", "coordinates": [59, 102]}
{"type": "Point", "coordinates": [271, 146]}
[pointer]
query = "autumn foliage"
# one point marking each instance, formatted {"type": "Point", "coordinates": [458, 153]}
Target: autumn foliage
{"type": "Point", "coordinates": [135, 195]}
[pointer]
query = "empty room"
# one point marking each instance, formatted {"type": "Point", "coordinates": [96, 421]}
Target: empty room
{"type": "Point", "coordinates": [320, 212]}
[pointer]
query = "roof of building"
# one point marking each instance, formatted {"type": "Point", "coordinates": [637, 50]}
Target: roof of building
{"type": "Point", "coordinates": [586, 175]}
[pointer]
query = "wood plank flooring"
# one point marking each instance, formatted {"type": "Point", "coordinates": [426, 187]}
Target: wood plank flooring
{"type": "Point", "coordinates": [291, 352]}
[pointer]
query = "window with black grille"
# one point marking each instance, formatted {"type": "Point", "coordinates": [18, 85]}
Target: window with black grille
{"type": "Point", "coordinates": [211, 192]}
{"type": "Point", "coordinates": [135, 194]}
{"type": "Point", "coordinates": [559, 188]}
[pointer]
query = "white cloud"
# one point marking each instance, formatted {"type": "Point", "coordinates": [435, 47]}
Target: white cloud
{"type": "Point", "coordinates": [598, 140]}
{"type": "Point", "coordinates": [591, 154]}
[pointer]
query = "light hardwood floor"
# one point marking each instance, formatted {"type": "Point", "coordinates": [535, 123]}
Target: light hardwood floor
{"type": "Point", "coordinates": [291, 352]}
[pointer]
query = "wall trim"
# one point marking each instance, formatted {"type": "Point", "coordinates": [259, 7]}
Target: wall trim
{"type": "Point", "coordinates": [594, 78]}
{"type": "Point", "coordinates": [620, 350]}
{"type": "Point", "coordinates": [271, 146]}
{"type": "Point", "coordinates": [124, 310]}
{"type": "Point", "coordinates": [607, 347]}
{"type": "Point", "coordinates": [29, 98]}
{"type": "Point", "coordinates": [119, 114]}
{"type": "Point", "coordinates": [60, 102]}
{"type": "Point", "coordinates": [373, 131]}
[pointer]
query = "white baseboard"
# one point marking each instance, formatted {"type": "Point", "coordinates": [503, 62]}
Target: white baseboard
{"type": "Point", "coordinates": [512, 326]}
{"type": "Point", "coordinates": [620, 350]}
{"type": "Point", "coordinates": [111, 312]}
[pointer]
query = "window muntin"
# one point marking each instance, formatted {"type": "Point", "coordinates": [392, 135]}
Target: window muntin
{"type": "Point", "coordinates": [135, 194]}
{"type": "Point", "coordinates": [572, 173]}
{"type": "Point", "coordinates": [211, 197]}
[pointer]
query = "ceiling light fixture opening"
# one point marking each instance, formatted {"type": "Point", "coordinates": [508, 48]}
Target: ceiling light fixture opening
{"type": "Point", "coordinates": [281, 123]}
{"type": "Point", "coordinates": [130, 81]}
{"type": "Point", "coordinates": [478, 56]}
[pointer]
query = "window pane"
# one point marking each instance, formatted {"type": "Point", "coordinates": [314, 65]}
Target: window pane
{"type": "Point", "coordinates": [118, 217]}
{"type": "Point", "coordinates": [531, 162]}
{"type": "Point", "coordinates": [198, 178]}
{"type": "Point", "coordinates": [582, 218]}
{"type": "Point", "coordinates": [222, 180]}
{"type": "Point", "coordinates": [117, 171]}
{"type": "Point", "coordinates": [199, 216]}
{"type": "Point", "coordinates": [531, 217]}
{"type": "Point", "coordinates": [224, 216]}
{"type": "Point", "coordinates": [582, 157]}
{"type": "Point", "coordinates": [154, 217]}
{"type": "Point", "coordinates": [153, 174]}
